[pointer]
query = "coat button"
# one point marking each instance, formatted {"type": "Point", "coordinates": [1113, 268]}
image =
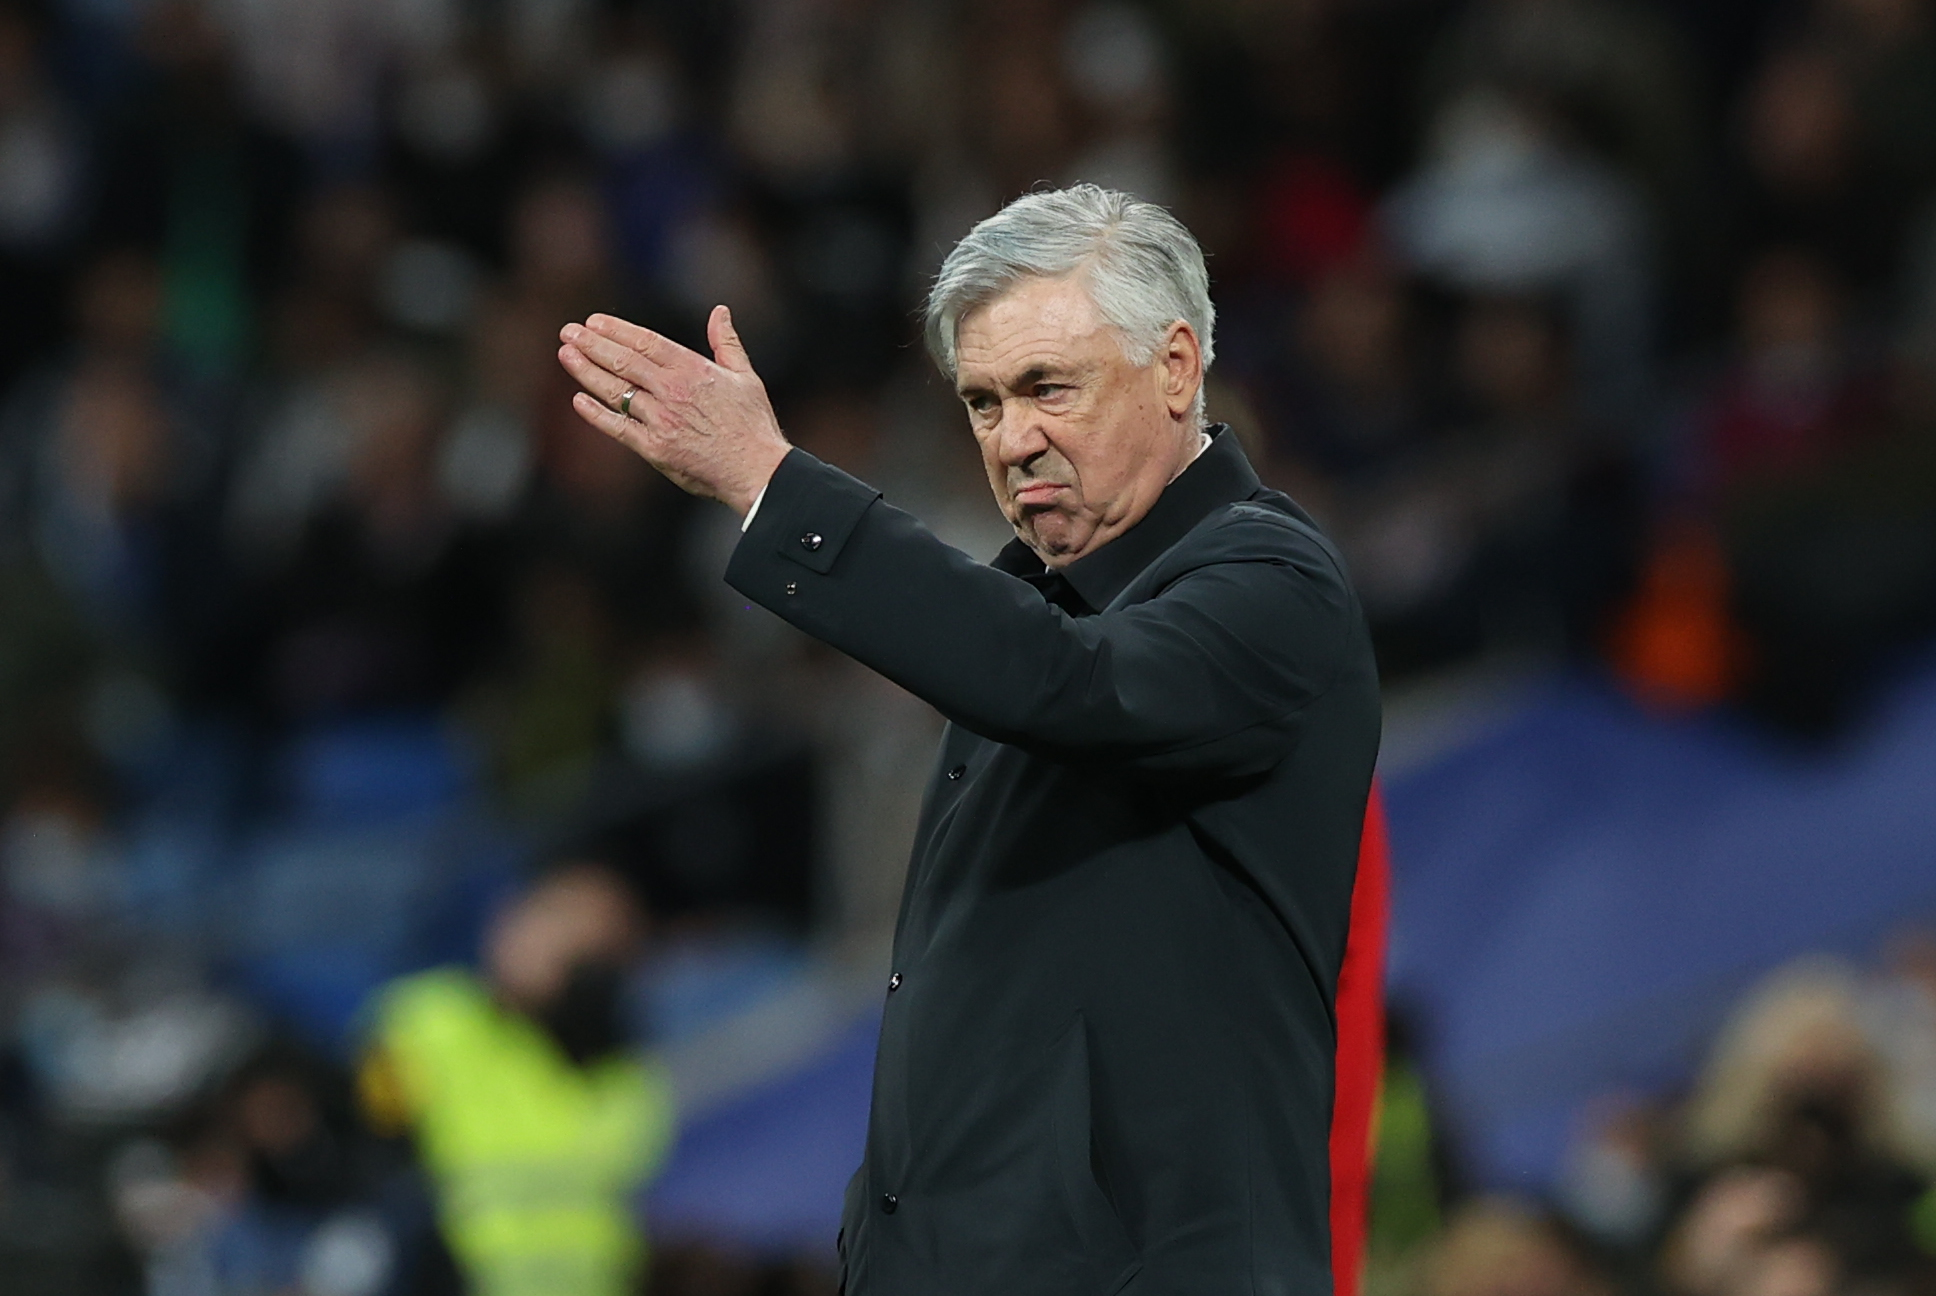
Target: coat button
{"type": "Point", "coordinates": [894, 983]}
{"type": "Point", "coordinates": [793, 587]}
{"type": "Point", "coordinates": [889, 1203]}
{"type": "Point", "coordinates": [954, 775]}
{"type": "Point", "coordinates": [811, 541]}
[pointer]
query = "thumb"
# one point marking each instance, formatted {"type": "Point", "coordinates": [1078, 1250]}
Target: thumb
{"type": "Point", "coordinates": [728, 351]}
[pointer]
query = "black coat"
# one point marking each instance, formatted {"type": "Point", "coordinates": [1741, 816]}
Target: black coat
{"type": "Point", "coordinates": [1107, 1052]}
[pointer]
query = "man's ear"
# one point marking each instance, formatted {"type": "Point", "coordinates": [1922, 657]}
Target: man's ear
{"type": "Point", "coordinates": [1179, 368]}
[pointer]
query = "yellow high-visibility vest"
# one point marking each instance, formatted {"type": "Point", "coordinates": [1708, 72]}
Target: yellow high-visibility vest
{"type": "Point", "coordinates": [535, 1162]}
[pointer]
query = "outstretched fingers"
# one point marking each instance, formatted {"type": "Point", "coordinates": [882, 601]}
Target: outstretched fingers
{"type": "Point", "coordinates": [620, 361]}
{"type": "Point", "coordinates": [655, 348]}
{"type": "Point", "coordinates": [599, 381]}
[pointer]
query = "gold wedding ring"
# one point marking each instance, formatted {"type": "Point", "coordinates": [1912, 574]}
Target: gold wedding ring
{"type": "Point", "coordinates": [625, 402]}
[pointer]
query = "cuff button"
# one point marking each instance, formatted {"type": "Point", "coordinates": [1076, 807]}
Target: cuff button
{"type": "Point", "coordinates": [793, 587]}
{"type": "Point", "coordinates": [811, 541]}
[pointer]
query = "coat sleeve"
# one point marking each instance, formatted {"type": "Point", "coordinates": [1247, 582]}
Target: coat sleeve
{"type": "Point", "coordinates": [1209, 676]}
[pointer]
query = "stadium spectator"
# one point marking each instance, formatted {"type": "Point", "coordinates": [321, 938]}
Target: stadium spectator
{"type": "Point", "coordinates": [533, 1124]}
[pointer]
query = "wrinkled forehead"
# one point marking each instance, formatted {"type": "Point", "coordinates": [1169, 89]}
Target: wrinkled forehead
{"type": "Point", "coordinates": [1034, 316]}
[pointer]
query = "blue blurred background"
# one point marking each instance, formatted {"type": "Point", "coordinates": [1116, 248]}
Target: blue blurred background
{"type": "Point", "coordinates": [1600, 333]}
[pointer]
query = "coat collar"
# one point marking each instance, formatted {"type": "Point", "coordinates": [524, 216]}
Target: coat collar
{"type": "Point", "coordinates": [1220, 475]}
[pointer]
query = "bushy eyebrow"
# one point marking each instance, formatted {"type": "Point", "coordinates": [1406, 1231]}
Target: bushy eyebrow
{"type": "Point", "coordinates": [1026, 379]}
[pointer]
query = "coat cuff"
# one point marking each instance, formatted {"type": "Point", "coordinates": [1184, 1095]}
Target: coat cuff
{"type": "Point", "coordinates": [807, 514]}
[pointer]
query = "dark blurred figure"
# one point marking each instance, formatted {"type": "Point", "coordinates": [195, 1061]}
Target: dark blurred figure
{"type": "Point", "coordinates": [293, 1118]}
{"type": "Point", "coordinates": [1797, 390]}
{"type": "Point", "coordinates": [1804, 180]}
{"type": "Point", "coordinates": [1889, 47]}
{"type": "Point", "coordinates": [1621, 77]}
{"type": "Point", "coordinates": [107, 486]}
{"type": "Point", "coordinates": [1507, 201]}
{"type": "Point", "coordinates": [617, 524]}
{"type": "Point", "coordinates": [1471, 509]}
{"type": "Point", "coordinates": [1345, 397]}
{"type": "Point", "coordinates": [269, 1185]}
{"type": "Point", "coordinates": [388, 600]}
{"type": "Point", "coordinates": [327, 303]}
{"type": "Point", "coordinates": [1841, 130]}
{"type": "Point", "coordinates": [187, 173]}
{"type": "Point", "coordinates": [1826, 503]}
{"type": "Point", "coordinates": [545, 714]}
{"type": "Point", "coordinates": [457, 148]}
{"type": "Point", "coordinates": [712, 812]}
{"type": "Point", "coordinates": [45, 172]}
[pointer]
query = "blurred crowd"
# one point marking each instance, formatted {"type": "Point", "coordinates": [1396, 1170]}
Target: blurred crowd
{"type": "Point", "coordinates": [1798, 1163]}
{"type": "Point", "coordinates": [1593, 329]}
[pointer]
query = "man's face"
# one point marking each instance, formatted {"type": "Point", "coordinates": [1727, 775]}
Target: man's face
{"type": "Point", "coordinates": [1078, 442]}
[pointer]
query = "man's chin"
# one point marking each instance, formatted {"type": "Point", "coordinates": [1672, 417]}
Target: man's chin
{"type": "Point", "coordinates": [1055, 543]}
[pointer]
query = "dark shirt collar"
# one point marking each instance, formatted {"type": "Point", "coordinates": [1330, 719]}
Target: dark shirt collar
{"type": "Point", "coordinates": [1220, 475]}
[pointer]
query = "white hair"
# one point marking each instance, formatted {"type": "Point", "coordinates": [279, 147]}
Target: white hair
{"type": "Point", "coordinates": [1143, 269]}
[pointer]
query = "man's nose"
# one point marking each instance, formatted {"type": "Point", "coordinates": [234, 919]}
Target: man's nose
{"type": "Point", "coordinates": [1021, 437]}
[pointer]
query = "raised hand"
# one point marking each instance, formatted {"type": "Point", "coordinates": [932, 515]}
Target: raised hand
{"type": "Point", "coordinates": [705, 424]}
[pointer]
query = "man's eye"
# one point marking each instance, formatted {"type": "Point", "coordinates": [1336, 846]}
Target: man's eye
{"type": "Point", "coordinates": [1050, 391]}
{"type": "Point", "coordinates": [981, 404]}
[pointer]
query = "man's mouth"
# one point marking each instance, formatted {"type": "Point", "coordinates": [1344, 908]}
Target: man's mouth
{"type": "Point", "coordinates": [1038, 493]}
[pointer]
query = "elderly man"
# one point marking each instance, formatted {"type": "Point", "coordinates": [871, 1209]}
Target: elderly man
{"type": "Point", "coordinates": [1106, 1057]}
